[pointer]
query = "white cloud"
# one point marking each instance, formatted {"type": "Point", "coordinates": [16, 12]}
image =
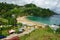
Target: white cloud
{"type": "Point", "coordinates": [51, 4]}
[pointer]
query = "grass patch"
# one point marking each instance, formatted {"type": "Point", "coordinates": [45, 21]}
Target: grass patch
{"type": "Point", "coordinates": [40, 34]}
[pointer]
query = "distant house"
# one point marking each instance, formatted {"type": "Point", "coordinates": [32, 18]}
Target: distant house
{"type": "Point", "coordinates": [11, 31]}
{"type": "Point", "coordinates": [54, 27]}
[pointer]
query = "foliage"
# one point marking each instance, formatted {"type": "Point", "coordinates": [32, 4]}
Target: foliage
{"type": "Point", "coordinates": [49, 30]}
{"type": "Point", "coordinates": [58, 30]}
{"type": "Point", "coordinates": [30, 9]}
{"type": "Point", "coordinates": [6, 28]}
{"type": "Point", "coordinates": [3, 21]}
{"type": "Point", "coordinates": [0, 31]}
{"type": "Point", "coordinates": [40, 34]}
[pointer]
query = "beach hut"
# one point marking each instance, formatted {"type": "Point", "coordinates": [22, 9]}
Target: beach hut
{"type": "Point", "coordinates": [30, 24]}
{"type": "Point", "coordinates": [45, 25]}
{"type": "Point", "coordinates": [11, 31]}
{"type": "Point", "coordinates": [23, 23]}
{"type": "Point", "coordinates": [54, 27]}
{"type": "Point", "coordinates": [21, 30]}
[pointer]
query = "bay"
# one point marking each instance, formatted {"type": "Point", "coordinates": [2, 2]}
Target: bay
{"type": "Point", "coordinates": [55, 19]}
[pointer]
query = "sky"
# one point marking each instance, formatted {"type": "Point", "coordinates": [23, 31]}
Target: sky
{"type": "Point", "coordinates": [51, 4]}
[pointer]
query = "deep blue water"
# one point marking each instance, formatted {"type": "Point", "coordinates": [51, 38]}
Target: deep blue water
{"type": "Point", "coordinates": [55, 19]}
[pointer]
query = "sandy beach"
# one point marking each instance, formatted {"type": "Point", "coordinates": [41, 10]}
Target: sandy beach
{"type": "Point", "coordinates": [24, 20]}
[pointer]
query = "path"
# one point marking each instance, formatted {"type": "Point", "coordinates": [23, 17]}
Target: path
{"type": "Point", "coordinates": [21, 34]}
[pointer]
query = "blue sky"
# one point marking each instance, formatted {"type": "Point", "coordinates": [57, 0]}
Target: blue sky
{"type": "Point", "coordinates": [51, 4]}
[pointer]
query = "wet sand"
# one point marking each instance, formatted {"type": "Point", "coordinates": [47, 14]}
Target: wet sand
{"type": "Point", "coordinates": [24, 20]}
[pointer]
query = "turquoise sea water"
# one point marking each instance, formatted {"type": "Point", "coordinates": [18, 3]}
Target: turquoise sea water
{"type": "Point", "coordinates": [55, 19]}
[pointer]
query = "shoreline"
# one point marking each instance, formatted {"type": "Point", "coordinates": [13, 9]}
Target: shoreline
{"type": "Point", "coordinates": [24, 20]}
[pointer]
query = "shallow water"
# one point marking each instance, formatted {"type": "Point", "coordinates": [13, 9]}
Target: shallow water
{"type": "Point", "coordinates": [55, 19]}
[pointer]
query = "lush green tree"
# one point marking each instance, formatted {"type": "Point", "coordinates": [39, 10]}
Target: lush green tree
{"type": "Point", "coordinates": [30, 5]}
{"type": "Point", "coordinates": [58, 30]}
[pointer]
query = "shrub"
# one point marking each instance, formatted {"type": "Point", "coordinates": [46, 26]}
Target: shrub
{"type": "Point", "coordinates": [58, 30]}
{"type": "Point", "coordinates": [49, 29]}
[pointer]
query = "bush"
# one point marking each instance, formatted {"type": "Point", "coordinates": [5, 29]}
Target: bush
{"type": "Point", "coordinates": [58, 30]}
{"type": "Point", "coordinates": [19, 24]}
{"type": "Point", "coordinates": [49, 29]}
{"type": "Point", "coordinates": [0, 32]}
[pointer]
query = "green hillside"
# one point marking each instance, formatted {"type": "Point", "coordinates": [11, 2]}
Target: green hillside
{"type": "Point", "coordinates": [7, 10]}
{"type": "Point", "coordinates": [41, 34]}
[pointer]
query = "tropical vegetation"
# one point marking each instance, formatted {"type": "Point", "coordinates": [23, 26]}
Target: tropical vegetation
{"type": "Point", "coordinates": [9, 13]}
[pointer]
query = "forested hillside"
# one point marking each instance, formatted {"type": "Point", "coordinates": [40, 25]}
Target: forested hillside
{"type": "Point", "coordinates": [10, 12]}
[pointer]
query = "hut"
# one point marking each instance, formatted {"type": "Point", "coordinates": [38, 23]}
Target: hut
{"type": "Point", "coordinates": [11, 31]}
{"type": "Point", "coordinates": [54, 27]}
